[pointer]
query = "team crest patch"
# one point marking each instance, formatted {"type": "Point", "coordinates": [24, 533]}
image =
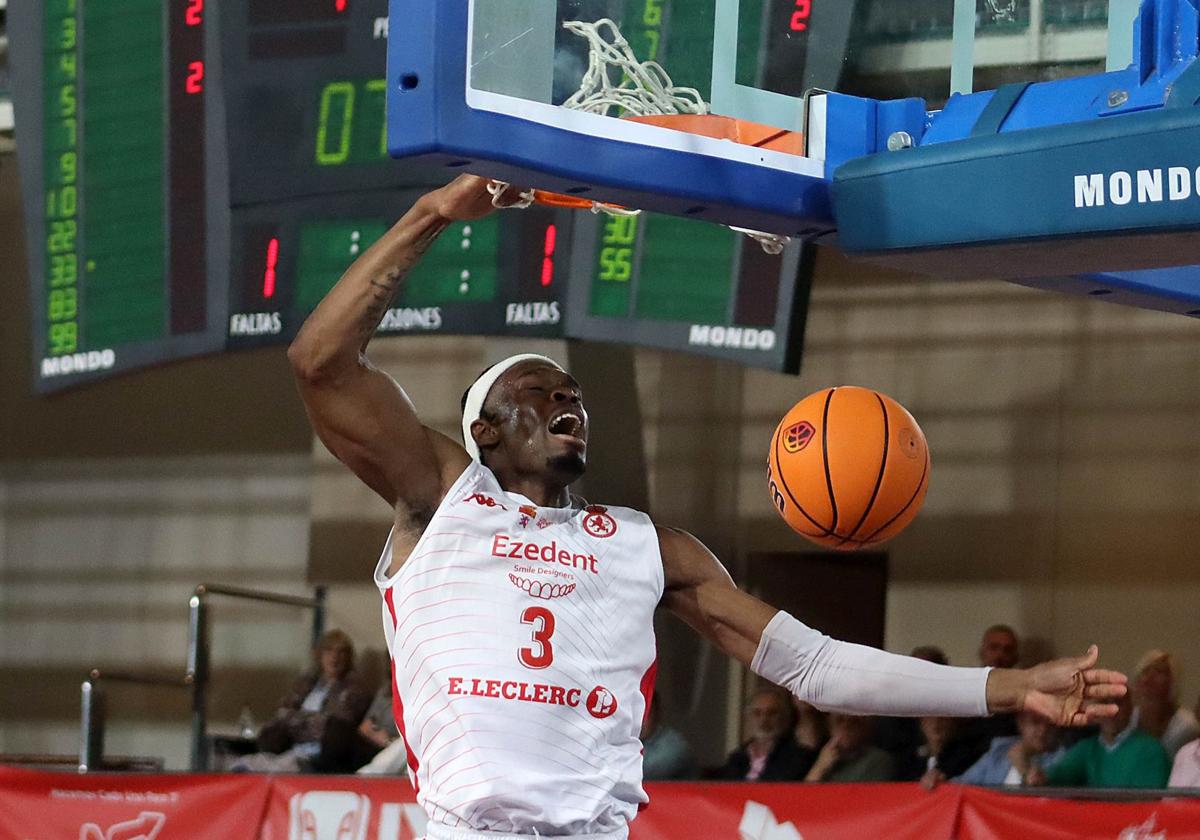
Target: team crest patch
{"type": "Point", "coordinates": [797, 436]}
{"type": "Point", "coordinates": [598, 522]}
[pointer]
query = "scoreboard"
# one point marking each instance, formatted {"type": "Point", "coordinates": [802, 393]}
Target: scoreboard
{"type": "Point", "coordinates": [197, 174]}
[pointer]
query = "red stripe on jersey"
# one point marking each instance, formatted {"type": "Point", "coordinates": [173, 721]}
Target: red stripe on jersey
{"type": "Point", "coordinates": [647, 690]}
{"type": "Point", "coordinates": [398, 702]}
{"type": "Point", "coordinates": [388, 599]}
{"type": "Point", "coordinates": [647, 687]}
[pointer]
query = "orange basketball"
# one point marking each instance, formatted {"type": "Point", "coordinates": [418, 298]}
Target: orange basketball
{"type": "Point", "coordinates": [848, 468]}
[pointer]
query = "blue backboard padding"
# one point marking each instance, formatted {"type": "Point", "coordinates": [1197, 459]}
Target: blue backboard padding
{"type": "Point", "coordinates": [1016, 186]}
{"type": "Point", "coordinates": [906, 115]}
{"type": "Point", "coordinates": [429, 120]}
{"type": "Point", "coordinates": [1165, 289]}
{"type": "Point", "coordinates": [850, 128]}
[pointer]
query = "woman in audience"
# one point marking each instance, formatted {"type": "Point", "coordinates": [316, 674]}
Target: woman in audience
{"type": "Point", "coordinates": [329, 692]}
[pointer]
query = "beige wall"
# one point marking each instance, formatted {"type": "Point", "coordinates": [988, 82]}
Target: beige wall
{"type": "Point", "coordinates": [97, 561]}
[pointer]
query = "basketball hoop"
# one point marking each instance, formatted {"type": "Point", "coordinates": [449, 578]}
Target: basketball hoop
{"type": "Point", "coordinates": [645, 93]}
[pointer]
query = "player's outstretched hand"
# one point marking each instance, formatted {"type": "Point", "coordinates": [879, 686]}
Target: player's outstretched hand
{"type": "Point", "coordinates": [466, 199]}
{"type": "Point", "coordinates": [1073, 691]}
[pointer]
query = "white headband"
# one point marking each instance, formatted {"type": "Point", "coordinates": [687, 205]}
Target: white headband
{"type": "Point", "coordinates": [479, 390]}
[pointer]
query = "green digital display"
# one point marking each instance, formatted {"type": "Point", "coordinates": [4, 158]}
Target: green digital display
{"type": "Point", "coordinates": [61, 176]}
{"type": "Point", "coordinates": [664, 268]}
{"type": "Point", "coordinates": [104, 174]}
{"type": "Point", "coordinates": [463, 266]}
{"type": "Point", "coordinates": [124, 230]}
{"type": "Point", "coordinates": [326, 250]}
{"type": "Point", "coordinates": [195, 182]}
{"type": "Point", "coordinates": [351, 123]}
{"type": "Point", "coordinates": [686, 271]}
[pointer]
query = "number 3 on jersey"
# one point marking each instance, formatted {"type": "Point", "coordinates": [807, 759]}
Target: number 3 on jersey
{"type": "Point", "coordinates": [542, 621]}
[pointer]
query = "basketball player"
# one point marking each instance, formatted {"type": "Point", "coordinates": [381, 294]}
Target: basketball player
{"type": "Point", "coordinates": [519, 618]}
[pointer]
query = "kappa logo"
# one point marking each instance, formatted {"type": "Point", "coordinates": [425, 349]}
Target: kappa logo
{"type": "Point", "coordinates": [797, 436]}
{"type": "Point", "coordinates": [1145, 831]}
{"type": "Point", "coordinates": [598, 522]}
{"type": "Point", "coordinates": [146, 827]}
{"type": "Point", "coordinates": [759, 823]}
{"type": "Point", "coordinates": [485, 501]}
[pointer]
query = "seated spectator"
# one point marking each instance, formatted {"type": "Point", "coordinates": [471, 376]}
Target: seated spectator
{"type": "Point", "coordinates": [812, 726]}
{"type": "Point", "coordinates": [1011, 757]}
{"type": "Point", "coordinates": [328, 692]}
{"type": "Point", "coordinates": [666, 754]}
{"type": "Point", "coordinates": [849, 755]}
{"type": "Point", "coordinates": [1120, 756]}
{"type": "Point", "coordinates": [1157, 712]}
{"type": "Point", "coordinates": [771, 754]}
{"type": "Point", "coordinates": [901, 737]}
{"type": "Point", "coordinates": [1185, 772]}
{"type": "Point", "coordinates": [345, 748]}
{"type": "Point", "coordinates": [942, 753]}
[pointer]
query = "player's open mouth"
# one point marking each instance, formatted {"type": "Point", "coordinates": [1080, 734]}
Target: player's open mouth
{"type": "Point", "coordinates": [567, 425]}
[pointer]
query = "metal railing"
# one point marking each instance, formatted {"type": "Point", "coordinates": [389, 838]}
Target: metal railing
{"type": "Point", "coordinates": [92, 715]}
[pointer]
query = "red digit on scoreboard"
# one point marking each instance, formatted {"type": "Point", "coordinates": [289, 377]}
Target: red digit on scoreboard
{"type": "Point", "coordinates": [272, 262]}
{"type": "Point", "coordinates": [801, 15]}
{"type": "Point", "coordinates": [195, 79]}
{"type": "Point", "coordinates": [549, 247]}
{"type": "Point", "coordinates": [194, 15]}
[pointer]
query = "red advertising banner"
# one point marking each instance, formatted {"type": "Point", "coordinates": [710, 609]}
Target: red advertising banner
{"type": "Point", "coordinates": [991, 815]}
{"type": "Point", "coordinates": [64, 806]}
{"type": "Point", "coordinates": [342, 808]}
{"type": "Point", "coordinates": [793, 811]}
{"type": "Point", "coordinates": [109, 806]}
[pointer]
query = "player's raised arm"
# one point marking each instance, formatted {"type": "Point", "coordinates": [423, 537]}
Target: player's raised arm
{"type": "Point", "coordinates": [839, 676]}
{"type": "Point", "coordinates": [359, 412]}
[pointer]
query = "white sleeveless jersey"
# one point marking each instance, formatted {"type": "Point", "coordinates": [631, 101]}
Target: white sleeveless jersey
{"type": "Point", "coordinates": [523, 653]}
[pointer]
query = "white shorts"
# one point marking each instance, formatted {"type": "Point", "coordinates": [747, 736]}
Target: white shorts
{"type": "Point", "coordinates": [442, 832]}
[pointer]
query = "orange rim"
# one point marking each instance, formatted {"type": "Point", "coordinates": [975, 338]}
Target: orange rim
{"type": "Point", "coordinates": [705, 125]}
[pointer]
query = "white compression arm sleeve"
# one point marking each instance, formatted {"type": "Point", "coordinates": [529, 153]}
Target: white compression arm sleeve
{"type": "Point", "coordinates": [843, 677]}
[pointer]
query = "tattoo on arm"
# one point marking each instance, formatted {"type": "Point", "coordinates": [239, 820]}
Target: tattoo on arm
{"type": "Point", "coordinates": [382, 290]}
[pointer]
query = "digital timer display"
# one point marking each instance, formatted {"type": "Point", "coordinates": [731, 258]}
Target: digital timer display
{"type": "Point", "coordinates": [351, 124]}
{"type": "Point", "coordinates": [198, 174]}
{"type": "Point", "coordinates": [670, 282]}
